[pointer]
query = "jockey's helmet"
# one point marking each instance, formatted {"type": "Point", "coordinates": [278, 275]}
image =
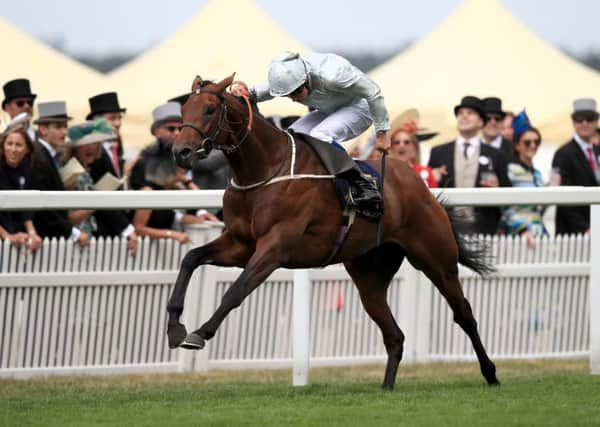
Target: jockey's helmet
{"type": "Point", "coordinates": [287, 73]}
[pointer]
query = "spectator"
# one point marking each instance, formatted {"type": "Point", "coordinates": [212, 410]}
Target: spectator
{"type": "Point", "coordinates": [525, 220]}
{"type": "Point", "coordinates": [405, 139]}
{"type": "Point", "coordinates": [84, 146]}
{"type": "Point", "coordinates": [469, 163]}
{"type": "Point", "coordinates": [52, 130]}
{"type": "Point", "coordinates": [19, 99]}
{"type": "Point", "coordinates": [494, 126]}
{"type": "Point", "coordinates": [156, 170]}
{"type": "Point", "coordinates": [106, 105]}
{"type": "Point", "coordinates": [577, 163]}
{"type": "Point", "coordinates": [16, 162]}
{"type": "Point", "coordinates": [507, 127]}
{"type": "Point", "coordinates": [596, 137]}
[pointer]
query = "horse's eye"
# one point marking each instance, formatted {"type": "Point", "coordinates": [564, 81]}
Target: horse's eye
{"type": "Point", "coordinates": [210, 110]}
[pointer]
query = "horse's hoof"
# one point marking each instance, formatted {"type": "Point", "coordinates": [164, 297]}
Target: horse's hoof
{"type": "Point", "coordinates": [176, 334]}
{"type": "Point", "coordinates": [193, 342]}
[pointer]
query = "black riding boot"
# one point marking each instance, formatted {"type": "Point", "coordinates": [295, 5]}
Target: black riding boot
{"type": "Point", "coordinates": [365, 194]}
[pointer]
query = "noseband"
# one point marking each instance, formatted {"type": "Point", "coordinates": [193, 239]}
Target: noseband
{"type": "Point", "coordinates": [208, 141]}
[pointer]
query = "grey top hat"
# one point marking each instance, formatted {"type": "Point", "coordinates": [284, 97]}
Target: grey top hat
{"type": "Point", "coordinates": [585, 106]}
{"type": "Point", "coordinates": [171, 111]}
{"type": "Point", "coordinates": [52, 112]}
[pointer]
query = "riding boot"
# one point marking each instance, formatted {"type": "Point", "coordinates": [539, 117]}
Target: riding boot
{"type": "Point", "coordinates": [364, 192]}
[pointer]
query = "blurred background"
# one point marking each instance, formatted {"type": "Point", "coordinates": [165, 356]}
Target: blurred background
{"type": "Point", "coordinates": [424, 55]}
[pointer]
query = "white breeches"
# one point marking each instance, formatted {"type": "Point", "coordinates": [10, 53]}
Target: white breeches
{"type": "Point", "coordinates": [346, 123]}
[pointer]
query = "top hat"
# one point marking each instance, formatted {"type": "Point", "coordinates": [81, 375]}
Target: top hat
{"type": "Point", "coordinates": [104, 103]}
{"type": "Point", "coordinates": [171, 111]}
{"type": "Point", "coordinates": [493, 105]}
{"type": "Point", "coordinates": [52, 112]}
{"type": "Point", "coordinates": [473, 103]}
{"type": "Point", "coordinates": [585, 106]}
{"type": "Point", "coordinates": [181, 99]}
{"type": "Point", "coordinates": [18, 88]}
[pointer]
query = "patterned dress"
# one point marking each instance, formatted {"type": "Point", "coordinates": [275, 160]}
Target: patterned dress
{"type": "Point", "coordinates": [85, 183]}
{"type": "Point", "coordinates": [517, 219]}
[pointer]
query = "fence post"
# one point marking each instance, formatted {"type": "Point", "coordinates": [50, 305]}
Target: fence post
{"type": "Point", "coordinates": [594, 299]}
{"type": "Point", "coordinates": [301, 328]}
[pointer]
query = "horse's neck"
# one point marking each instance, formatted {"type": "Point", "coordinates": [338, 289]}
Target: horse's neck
{"type": "Point", "coordinates": [261, 155]}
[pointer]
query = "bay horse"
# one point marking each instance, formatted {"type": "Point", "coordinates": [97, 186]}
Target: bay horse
{"type": "Point", "coordinates": [273, 221]}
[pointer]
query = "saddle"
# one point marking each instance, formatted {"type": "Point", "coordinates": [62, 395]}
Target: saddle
{"type": "Point", "coordinates": [346, 171]}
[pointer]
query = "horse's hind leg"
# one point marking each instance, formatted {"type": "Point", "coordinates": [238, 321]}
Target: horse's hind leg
{"type": "Point", "coordinates": [463, 315]}
{"type": "Point", "coordinates": [372, 274]}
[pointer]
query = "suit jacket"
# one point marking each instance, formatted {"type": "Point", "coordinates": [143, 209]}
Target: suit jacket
{"type": "Point", "coordinates": [486, 219]}
{"type": "Point", "coordinates": [574, 169]}
{"type": "Point", "coordinates": [507, 149]}
{"type": "Point", "coordinates": [46, 177]}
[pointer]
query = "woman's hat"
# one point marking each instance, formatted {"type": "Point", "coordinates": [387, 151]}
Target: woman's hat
{"type": "Point", "coordinates": [408, 121]}
{"type": "Point", "coordinates": [90, 133]}
{"type": "Point", "coordinates": [20, 121]}
{"type": "Point", "coordinates": [104, 103]}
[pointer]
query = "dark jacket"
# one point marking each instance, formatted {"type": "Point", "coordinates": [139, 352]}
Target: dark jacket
{"type": "Point", "coordinates": [486, 219]}
{"type": "Point", "coordinates": [574, 169]}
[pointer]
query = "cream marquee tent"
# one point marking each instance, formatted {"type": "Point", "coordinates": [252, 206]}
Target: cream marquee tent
{"type": "Point", "coordinates": [481, 49]}
{"type": "Point", "coordinates": [226, 36]}
{"type": "Point", "coordinates": [53, 76]}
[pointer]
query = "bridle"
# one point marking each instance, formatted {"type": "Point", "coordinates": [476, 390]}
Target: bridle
{"type": "Point", "coordinates": [208, 141]}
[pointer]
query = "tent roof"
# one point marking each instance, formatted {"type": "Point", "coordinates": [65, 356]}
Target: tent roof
{"type": "Point", "coordinates": [226, 36]}
{"type": "Point", "coordinates": [53, 76]}
{"type": "Point", "coordinates": [481, 49]}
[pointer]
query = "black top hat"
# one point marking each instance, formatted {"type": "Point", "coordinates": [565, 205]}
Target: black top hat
{"type": "Point", "coordinates": [18, 88]}
{"type": "Point", "coordinates": [493, 105]}
{"type": "Point", "coordinates": [181, 99]}
{"type": "Point", "coordinates": [104, 103]}
{"type": "Point", "coordinates": [473, 103]}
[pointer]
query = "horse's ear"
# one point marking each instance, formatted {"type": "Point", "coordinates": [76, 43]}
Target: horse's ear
{"type": "Point", "coordinates": [225, 83]}
{"type": "Point", "coordinates": [196, 83]}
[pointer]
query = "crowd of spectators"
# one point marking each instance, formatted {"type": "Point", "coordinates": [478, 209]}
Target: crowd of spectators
{"type": "Point", "coordinates": [492, 148]}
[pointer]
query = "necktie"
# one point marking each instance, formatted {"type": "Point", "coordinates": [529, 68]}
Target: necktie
{"type": "Point", "coordinates": [114, 154]}
{"type": "Point", "coordinates": [591, 159]}
{"type": "Point", "coordinates": [56, 158]}
{"type": "Point", "coordinates": [466, 149]}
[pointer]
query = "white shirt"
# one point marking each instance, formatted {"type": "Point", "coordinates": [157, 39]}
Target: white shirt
{"type": "Point", "coordinates": [583, 145]}
{"type": "Point", "coordinates": [473, 142]}
{"type": "Point", "coordinates": [496, 142]}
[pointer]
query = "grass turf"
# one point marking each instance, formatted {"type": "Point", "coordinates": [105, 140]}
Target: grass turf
{"type": "Point", "coordinates": [548, 393]}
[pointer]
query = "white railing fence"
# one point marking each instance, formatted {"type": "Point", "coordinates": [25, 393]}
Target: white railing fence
{"type": "Point", "coordinates": [100, 310]}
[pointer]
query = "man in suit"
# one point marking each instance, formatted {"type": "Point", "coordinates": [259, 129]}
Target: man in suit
{"type": "Point", "coordinates": [577, 164]}
{"type": "Point", "coordinates": [52, 129]}
{"type": "Point", "coordinates": [106, 105]}
{"type": "Point", "coordinates": [19, 99]}
{"type": "Point", "coordinates": [470, 163]}
{"type": "Point", "coordinates": [494, 126]}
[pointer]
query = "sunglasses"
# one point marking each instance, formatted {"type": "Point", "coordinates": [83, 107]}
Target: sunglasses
{"type": "Point", "coordinates": [530, 142]}
{"type": "Point", "coordinates": [172, 128]}
{"type": "Point", "coordinates": [494, 117]}
{"type": "Point", "coordinates": [21, 102]}
{"type": "Point", "coordinates": [581, 119]}
{"type": "Point", "coordinates": [296, 92]}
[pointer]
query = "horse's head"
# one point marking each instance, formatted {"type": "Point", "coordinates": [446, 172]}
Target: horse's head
{"type": "Point", "coordinates": [204, 120]}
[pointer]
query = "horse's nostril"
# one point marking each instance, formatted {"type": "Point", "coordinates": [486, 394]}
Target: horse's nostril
{"type": "Point", "coordinates": [185, 153]}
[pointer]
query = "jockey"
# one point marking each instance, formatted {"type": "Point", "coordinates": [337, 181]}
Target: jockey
{"type": "Point", "coordinates": [344, 100]}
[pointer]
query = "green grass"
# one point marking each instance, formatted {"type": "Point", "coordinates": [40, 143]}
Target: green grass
{"type": "Point", "coordinates": [548, 393]}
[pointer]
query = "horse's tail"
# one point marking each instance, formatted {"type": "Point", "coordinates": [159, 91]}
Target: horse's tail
{"type": "Point", "coordinates": [472, 253]}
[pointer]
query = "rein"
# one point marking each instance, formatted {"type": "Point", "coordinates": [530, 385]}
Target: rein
{"type": "Point", "coordinates": [210, 140]}
{"type": "Point", "coordinates": [274, 178]}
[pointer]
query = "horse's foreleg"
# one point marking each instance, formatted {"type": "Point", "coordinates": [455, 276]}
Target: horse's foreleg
{"type": "Point", "coordinates": [218, 252]}
{"type": "Point", "coordinates": [262, 263]}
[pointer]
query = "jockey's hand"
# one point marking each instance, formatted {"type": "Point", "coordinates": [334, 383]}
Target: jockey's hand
{"type": "Point", "coordinates": [383, 143]}
{"type": "Point", "coordinates": [239, 89]}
